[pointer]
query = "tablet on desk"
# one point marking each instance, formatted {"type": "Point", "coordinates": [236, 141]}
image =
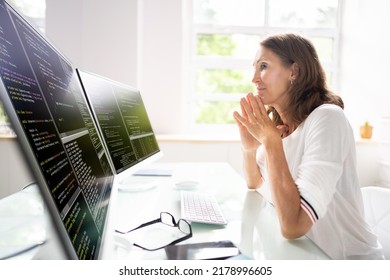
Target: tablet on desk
{"type": "Point", "coordinates": [153, 172]}
{"type": "Point", "coordinates": [219, 250]}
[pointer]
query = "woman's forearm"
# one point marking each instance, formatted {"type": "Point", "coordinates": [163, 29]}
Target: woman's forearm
{"type": "Point", "coordinates": [293, 220]}
{"type": "Point", "coordinates": [251, 170]}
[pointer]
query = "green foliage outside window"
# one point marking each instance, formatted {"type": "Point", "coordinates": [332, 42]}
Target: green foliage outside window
{"type": "Point", "coordinates": [219, 81]}
{"type": "Point", "coordinates": [227, 81]}
{"type": "Point", "coordinates": [3, 118]}
{"type": "Point", "coordinates": [215, 44]}
{"type": "Point", "coordinates": [216, 112]}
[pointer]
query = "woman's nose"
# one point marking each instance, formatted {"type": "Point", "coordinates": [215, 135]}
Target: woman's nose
{"type": "Point", "coordinates": [256, 77]}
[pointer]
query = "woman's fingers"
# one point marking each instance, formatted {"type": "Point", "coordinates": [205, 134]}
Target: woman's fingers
{"type": "Point", "coordinates": [253, 111]}
{"type": "Point", "coordinates": [243, 111]}
{"type": "Point", "coordinates": [258, 106]}
{"type": "Point", "coordinates": [261, 105]}
{"type": "Point", "coordinates": [239, 119]}
{"type": "Point", "coordinates": [254, 104]}
{"type": "Point", "coordinates": [247, 109]}
{"type": "Point", "coordinates": [258, 113]}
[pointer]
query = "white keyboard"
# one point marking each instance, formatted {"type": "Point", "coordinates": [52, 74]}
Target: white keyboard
{"type": "Point", "coordinates": [201, 208]}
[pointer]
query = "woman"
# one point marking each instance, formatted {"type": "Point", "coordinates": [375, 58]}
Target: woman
{"type": "Point", "coordinates": [299, 151]}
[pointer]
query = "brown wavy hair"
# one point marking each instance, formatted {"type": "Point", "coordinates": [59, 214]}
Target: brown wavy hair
{"type": "Point", "coordinates": [309, 90]}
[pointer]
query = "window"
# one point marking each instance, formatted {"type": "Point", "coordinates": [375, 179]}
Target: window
{"type": "Point", "coordinates": [225, 36]}
{"type": "Point", "coordinates": [34, 12]}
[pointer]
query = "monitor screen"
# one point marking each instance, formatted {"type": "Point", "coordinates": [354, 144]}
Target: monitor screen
{"type": "Point", "coordinates": [47, 108]}
{"type": "Point", "coordinates": [122, 119]}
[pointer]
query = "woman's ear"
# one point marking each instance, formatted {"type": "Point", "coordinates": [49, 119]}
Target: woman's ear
{"type": "Point", "coordinates": [294, 71]}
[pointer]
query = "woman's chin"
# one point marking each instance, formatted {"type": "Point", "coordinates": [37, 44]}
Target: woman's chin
{"type": "Point", "coordinates": [263, 99]}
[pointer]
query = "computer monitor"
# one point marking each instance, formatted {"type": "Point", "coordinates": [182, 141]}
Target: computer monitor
{"type": "Point", "coordinates": [44, 101]}
{"type": "Point", "coordinates": [123, 122]}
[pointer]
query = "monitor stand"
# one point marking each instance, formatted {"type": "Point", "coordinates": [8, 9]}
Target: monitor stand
{"type": "Point", "coordinates": [137, 184]}
{"type": "Point", "coordinates": [154, 172]}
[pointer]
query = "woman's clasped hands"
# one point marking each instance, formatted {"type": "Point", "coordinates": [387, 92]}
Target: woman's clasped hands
{"type": "Point", "coordinates": [255, 125]}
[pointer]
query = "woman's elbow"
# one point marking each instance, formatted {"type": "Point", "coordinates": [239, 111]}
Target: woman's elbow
{"type": "Point", "coordinates": [254, 185]}
{"type": "Point", "coordinates": [295, 231]}
{"type": "Point", "coordinates": [289, 234]}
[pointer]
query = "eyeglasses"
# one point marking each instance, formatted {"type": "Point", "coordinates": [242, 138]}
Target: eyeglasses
{"type": "Point", "coordinates": [167, 219]}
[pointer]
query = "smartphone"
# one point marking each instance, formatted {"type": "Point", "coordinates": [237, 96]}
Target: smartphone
{"type": "Point", "coordinates": [218, 250]}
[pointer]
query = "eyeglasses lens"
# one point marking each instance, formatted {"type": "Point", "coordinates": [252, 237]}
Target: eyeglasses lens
{"type": "Point", "coordinates": [167, 219]}
{"type": "Point", "coordinates": [184, 227]}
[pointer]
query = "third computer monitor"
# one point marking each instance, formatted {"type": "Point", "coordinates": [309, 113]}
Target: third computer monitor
{"type": "Point", "coordinates": [123, 122]}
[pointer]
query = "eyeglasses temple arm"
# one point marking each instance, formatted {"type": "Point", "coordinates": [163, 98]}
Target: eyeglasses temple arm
{"type": "Point", "coordinates": [140, 226]}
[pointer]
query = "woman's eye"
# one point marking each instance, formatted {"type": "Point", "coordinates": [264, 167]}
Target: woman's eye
{"type": "Point", "coordinates": [263, 66]}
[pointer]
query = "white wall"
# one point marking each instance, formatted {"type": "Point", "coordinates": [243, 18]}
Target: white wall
{"type": "Point", "coordinates": [365, 60]}
{"type": "Point", "coordinates": [162, 68]}
{"type": "Point", "coordinates": [96, 35]}
{"type": "Point", "coordinates": [364, 77]}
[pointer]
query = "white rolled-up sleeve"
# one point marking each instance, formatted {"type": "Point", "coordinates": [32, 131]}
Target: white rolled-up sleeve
{"type": "Point", "coordinates": [325, 150]}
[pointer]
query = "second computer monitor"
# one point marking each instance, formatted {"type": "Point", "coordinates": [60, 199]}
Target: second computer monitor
{"type": "Point", "coordinates": [123, 121]}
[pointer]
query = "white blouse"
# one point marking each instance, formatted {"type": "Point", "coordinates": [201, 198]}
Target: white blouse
{"type": "Point", "coordinates": [322, 160]}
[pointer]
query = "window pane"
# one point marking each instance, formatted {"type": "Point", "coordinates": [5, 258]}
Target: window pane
{"type": "Point", "coordinates": [3, 118]}
{"type": "Point", "coordinates": [5, 127]}
{"type": "Point", "coordinates": [229, 12]}
{"type": "Point", "coordinates": [34, 11]}
{"type": "Point", "coordinates": [215, 112]}
{"type": "Point", "coordinates": [329, 79]}
{"type": "Point", "coordinates": [303, 13]}
{"type": "Point", "coordinates": [234, 45]}
{"type": "Point", "coordinates": [324, 47]}
{"type": "Point", "coordinates": [224, 81]}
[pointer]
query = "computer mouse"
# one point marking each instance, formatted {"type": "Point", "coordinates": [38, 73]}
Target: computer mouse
{"type": "Point", "coordinates": [186, 184]}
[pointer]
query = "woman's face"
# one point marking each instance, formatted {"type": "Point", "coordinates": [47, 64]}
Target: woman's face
{"type": "Point", "coordinates": [272, 78]}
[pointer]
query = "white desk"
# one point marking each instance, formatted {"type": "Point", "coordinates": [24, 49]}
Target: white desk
{"type": "Point", "coordinates": [252, 222]}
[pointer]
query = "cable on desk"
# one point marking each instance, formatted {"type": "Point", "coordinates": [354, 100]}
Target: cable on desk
{"type": "Point", "coordinates": [28, 185]}
{"type": "Point", "coordinates": [24, 250]}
